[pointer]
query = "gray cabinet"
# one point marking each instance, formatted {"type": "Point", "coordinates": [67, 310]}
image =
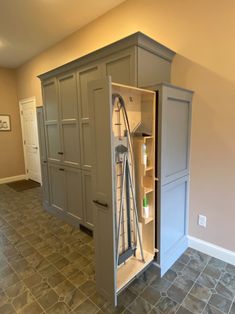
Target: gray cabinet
{"type": "Point", "coordinates": [136, 60]}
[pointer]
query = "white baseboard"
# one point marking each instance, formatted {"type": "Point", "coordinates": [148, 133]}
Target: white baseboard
{"type": "Point", "coordinates": [212, 250]}
{"type": "Point", "coordinates": [12, 179]}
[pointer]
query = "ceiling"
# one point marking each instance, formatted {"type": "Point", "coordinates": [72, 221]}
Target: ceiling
{"type": "Point", "coordinates": [27, 27]}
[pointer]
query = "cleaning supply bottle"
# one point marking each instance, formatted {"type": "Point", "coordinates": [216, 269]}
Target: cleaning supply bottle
{"type": "Point", "coordinates": [144, 155]}
{"type": "Point", "coordinates": [145, 207]}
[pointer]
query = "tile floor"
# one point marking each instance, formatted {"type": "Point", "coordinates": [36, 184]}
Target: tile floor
{"type": "Point", "coordinates": [47, 266]}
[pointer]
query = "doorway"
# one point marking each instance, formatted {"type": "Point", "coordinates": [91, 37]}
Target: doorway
{"type": "Point", "coordinates": [30, 139]}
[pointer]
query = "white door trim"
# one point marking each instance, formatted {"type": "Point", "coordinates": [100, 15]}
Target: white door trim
{"type": "Point", "coordinates": [21, 103]}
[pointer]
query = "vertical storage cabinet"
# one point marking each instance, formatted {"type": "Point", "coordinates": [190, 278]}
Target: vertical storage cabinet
{"type": "Point", "coordinates": [116, 265]}
{"type": "Point", "coordinates": [69, 124]}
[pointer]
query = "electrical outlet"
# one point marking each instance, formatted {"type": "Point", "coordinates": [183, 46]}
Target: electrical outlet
{"type": "Point", "coordinates": [202, 221]}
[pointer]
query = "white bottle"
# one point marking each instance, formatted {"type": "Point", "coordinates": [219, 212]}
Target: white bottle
{"type": "Point", "coordinates": [144, 155]}
{"type": "Point", "coordinates": [145, 208]}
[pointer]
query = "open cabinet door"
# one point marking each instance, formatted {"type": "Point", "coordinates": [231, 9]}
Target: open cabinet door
{"type": "Point", "coordinates": [100, 109]}
{"type": "Point", "coordinates": [174, 111]}
{"type": "Point", "coordinates": [124, 237]}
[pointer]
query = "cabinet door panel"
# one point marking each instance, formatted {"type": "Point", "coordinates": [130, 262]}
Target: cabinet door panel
{"type": "Point", "coordinates": [45, 185]}
{"type": "Point", "coordinates": [68, 96]}
{"type": "Point", "coordinates": [121, 67]}
{"type": "Point", "coordinates": [57, 187]}
{"type": "Point", "coordinates": [50, 99]}
{"type": "Point", "coordinates": [87, 197]}
{"type": "Point", "coordinates": [176, 128]}
{"type": "Point", "coordinates": [43, 154]}
{"type": "Point", "coordinates": [74, 192]}
{"type": "Point", "coordinates": [86, 144]}
{"type": "Point", "coordinates": [71, 143]}
{"type": "Point", "coordinates": [102, 187]}
{"type": "Point", "coordinates": [53, 142]}
{"type": "Point", "coordinates": [173, 222]}
{"type": "Point", "coordinates": [85, 76]}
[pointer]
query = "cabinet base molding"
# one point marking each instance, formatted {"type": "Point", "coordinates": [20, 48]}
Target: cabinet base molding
{"type": "Point", "coordinates": [13, 179]}
{"type": "Point", "coordinates": [212, 250]}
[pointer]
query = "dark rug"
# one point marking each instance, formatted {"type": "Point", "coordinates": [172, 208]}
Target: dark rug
{"type": "Point", "coordinates": [23, 185]}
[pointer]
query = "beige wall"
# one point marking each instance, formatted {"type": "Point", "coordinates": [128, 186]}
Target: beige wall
{"type": "Point", "coordinates": [202, 34]}
{"type": "Point", "coordinates": [11, 153]}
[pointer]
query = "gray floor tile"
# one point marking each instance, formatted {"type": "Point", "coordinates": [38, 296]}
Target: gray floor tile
{"type": "Point", "coordinates": [209, 309]}
{"type": "Point", "coordinates": [176, 293]}
{"type": "Point", "coordinates": [166, 305]}
{"type": "Point", "coordinates": [224, 291]}
{"type": "Point", "coordinates": [193, 304]}
{"type": "Point", "coordinates": [151, 295]}
{"type": "Point", "coordinates": [140, 306]}
{"type": "Point", "coordinates": [191, 273]}
{"type": "Point", "coordinates": [161, 285]}
{"type": "Point", "coordinates": [217, 263]}
{"type": "Point", "coordinates": [212, 271]}
{"type": "Point", "coordinates": [183, 310]}
{"type": "Point", "coordinates": [228, 280]}
{"type": "Point", "coordinates": [200, 292]}
{"type": "Point", "coordinates": [220, 302]}
{"type": "Point", "coordinates": [232, 310]}
{"type": "Point", "coordinates": [207, 281]}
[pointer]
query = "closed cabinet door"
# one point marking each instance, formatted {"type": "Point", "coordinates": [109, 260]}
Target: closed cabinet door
{"type": "Point", "coordinates": [87, 199]}
{"type": "Point", "coordinates": [74, 192]}
{"type": "Point", "coordinates": [45, 185]}
{"type": "Point", "coordinates": [173, 222]}
{"type": "Point", "coordinates": [57, 186]}
{"type": "Point", "coordinates": [43, 154]}
{"type": "Point", "coordinates": [84, 77]}
{"type": "Point", "coordinates": [69, 119]}
{"type": "Point", "coordinates": [176, 128]}
{"type": "Point", "coordinates": [51, 117]}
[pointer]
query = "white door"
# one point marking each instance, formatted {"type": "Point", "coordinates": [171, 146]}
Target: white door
{"type": "Point", "coordinates": [30, 139]}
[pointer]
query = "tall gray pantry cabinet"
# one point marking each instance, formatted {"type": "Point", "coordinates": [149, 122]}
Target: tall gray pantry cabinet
{"type": "Point", "coordinates": [65, 132]}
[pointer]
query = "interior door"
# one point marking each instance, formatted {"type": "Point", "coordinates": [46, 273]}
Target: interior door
{"type": "Point", "coordinates": [100, 109]}
{"type": "Point", "coordinates": [30, 139]}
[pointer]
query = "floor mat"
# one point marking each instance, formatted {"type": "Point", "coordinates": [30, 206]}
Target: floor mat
{"type": "Point", "coordinates": [23, 185]}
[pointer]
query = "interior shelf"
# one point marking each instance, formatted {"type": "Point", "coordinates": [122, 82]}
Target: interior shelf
{"type": "Point", "coordinates": [133, 266]}
{"type": "Point", "coordinates": [148, 190]}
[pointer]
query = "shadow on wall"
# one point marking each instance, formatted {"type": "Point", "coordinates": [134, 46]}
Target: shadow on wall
{"type": "Point", "coordinates": [212, 151]}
